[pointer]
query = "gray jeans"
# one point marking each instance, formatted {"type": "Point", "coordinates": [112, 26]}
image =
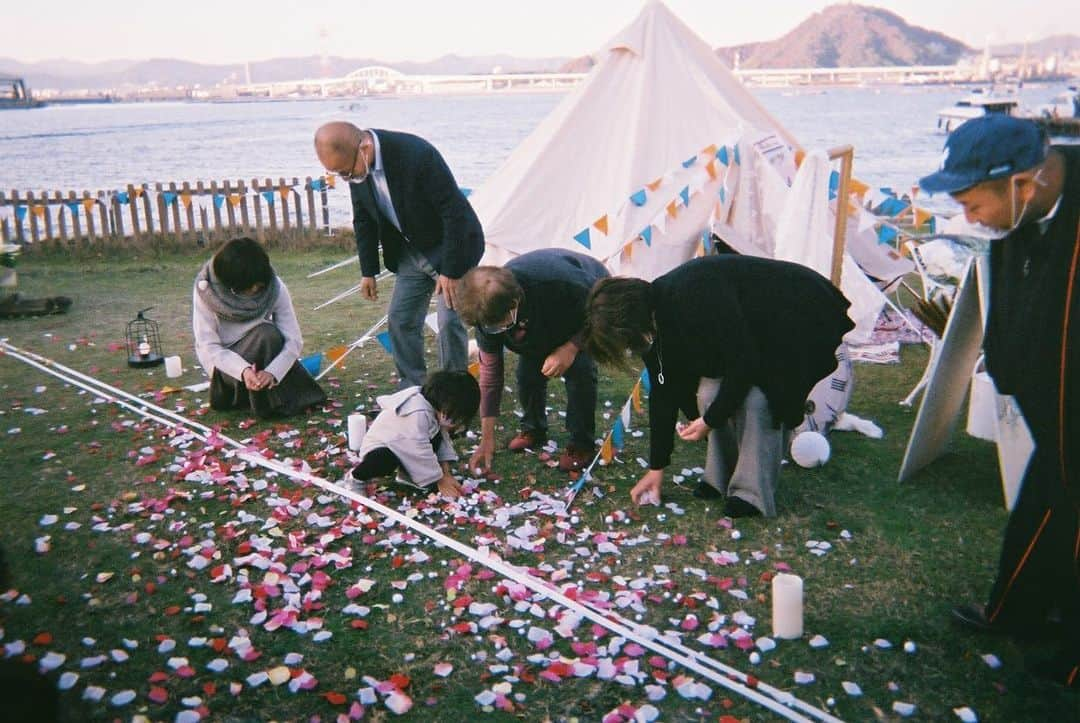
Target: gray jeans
{"type": "Point", "coordinates": [413, 288]}
{"type": "Point", "coordinates": [744, 455]}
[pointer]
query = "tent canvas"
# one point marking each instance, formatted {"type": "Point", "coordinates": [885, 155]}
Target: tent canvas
{"type": "Point", "coordinates": [660, 143]}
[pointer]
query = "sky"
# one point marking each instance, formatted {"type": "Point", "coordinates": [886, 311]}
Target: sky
{"type": "Point", "coordinates": [229, 32]}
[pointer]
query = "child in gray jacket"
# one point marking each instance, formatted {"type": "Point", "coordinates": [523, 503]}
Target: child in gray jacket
{"type": "Point", "coordinates": [412, 432]}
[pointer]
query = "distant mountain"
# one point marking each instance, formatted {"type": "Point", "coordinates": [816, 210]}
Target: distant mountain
{"type": "Point", "coordinates": [163, 72]}
{"type": "Point", "coordinates": [1053, 45]}
{"type": "Point", "coordinates": [846, 36]}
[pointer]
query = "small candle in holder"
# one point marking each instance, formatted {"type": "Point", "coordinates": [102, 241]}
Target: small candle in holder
{"type": "Point", "coordinates": [787, 606]}
{"type": "Point", "coordinates": [173, 368]}
{"type": "Point", "coordinates": [357, 430]}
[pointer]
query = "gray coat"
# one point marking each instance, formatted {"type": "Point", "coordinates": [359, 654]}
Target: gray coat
{"type": "Point", "coordinates": [406, 426]}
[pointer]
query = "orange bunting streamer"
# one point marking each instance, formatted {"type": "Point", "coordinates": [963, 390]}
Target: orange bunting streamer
{"type": "Point", "coordinates": [474, 369]}
{"type": "Point", "coordinates": [922, 216]}
{"type": "Point", "coordinates": [234, 199]}
{"type": "Point", "coordinates": [627, 253]}
{"type": "Point", "coordinates": [635, 395]}
{"type": "Point", "coordinates": [672, 209]}
{"type": "Point", "coordinates": [709, 150]}
{"type": "Point", "coordinates": [800, 154]}
{"type": "Point", "coordinates": [600, 224]}
{"type": "Point", "coordinates": [284, 193]}
{"type": "Point", "coordinates": [88, 204]}
{"type": "Point", "coordinates": [330, 180]}
{"type": "Point", "coordinates": [39, 211]}
{"type": "Point", "coordinates": [185, 198]}
{"type": "Point", "coordinates": [857, 187]}
{"type": "Point", "coordinates": [607, 452]}
{"type": "Point", "coordinates": [655, 184]}
{"type": "Point", "coordinates": [710, 168]}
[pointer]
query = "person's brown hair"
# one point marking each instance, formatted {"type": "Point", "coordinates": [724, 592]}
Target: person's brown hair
{"type": "Point", "coordinates": [618, 314]}
{"type": "Point", "coordinates": [486, 294]}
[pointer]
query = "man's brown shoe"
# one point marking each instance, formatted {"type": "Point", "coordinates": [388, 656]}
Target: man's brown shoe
{"type": "Point", "coordinates": [575, 458]}
{"type": "Point", "coordinates": [526, 440]}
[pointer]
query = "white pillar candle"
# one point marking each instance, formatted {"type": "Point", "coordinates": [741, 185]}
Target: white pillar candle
{"type": "Point", "coordinates": [787, 606]}
{"type": "Point", "coordinates": [173, 367]}
{"type": "Point", "coordinates": [357, 430]}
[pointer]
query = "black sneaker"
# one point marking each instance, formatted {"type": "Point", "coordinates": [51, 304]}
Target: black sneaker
{"type": "Point", "coordinates": [705, 491]}
{"type": "Point", "coordinates": [738, 507]}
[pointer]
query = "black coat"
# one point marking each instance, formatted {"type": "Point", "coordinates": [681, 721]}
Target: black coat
{"type": "Point", "coordinates": [753, 322]}
{"type": "Point", "coordinates": [434, 214]}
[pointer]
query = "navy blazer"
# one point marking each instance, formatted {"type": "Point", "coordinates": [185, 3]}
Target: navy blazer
{"type": "Point", "coordinates": [434, 214]}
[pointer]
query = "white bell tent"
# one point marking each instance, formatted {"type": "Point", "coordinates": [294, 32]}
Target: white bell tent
{"type": "Point", "coordinates": [658, 145]}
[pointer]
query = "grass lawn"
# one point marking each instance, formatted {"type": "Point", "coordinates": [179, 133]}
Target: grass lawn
{"type": "Point", "coordinates": [229, 592]}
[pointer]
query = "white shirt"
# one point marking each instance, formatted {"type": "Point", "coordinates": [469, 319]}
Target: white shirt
{"type": "Point", "coordinates": [382, 190]}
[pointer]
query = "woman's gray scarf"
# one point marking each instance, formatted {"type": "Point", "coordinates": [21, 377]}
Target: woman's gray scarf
{"type": "Point", "coordinates": [229, 306]}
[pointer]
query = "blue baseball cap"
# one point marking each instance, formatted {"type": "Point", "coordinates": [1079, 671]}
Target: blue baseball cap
{"type": "Point", "coordinates": [984, 149]}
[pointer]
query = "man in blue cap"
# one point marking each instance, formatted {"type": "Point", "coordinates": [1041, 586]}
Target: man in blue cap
{"type": "Point", "coordinates": [1007, 178]}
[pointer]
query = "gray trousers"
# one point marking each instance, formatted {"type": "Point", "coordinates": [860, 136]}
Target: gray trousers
{"type": "Point", "coordinates": [413, 288]}
{"type": "Point", "coordinates": [743, 457]}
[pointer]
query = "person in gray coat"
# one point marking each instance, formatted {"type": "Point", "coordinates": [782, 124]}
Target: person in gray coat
{"type": "Point", "coordinates": [413, 429]}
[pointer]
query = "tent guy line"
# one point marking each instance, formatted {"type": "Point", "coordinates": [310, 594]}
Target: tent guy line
{"type": "Point", "coordinates": [781, 702]}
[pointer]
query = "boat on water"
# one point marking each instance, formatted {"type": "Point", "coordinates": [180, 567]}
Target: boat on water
{"type": "Point", "coordinates": [15, 94]}
{"type": "Point", "coordinates": [1063, 105]}
{"type": "Point", "coordinates": [979, 103]}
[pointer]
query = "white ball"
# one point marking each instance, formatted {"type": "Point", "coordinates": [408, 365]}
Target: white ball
{"type": "Point", "coordinates": [810, 449]}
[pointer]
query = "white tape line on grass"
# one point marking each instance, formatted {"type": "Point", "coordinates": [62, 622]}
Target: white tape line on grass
{"type": "Point", "coordinates": [782, 703]}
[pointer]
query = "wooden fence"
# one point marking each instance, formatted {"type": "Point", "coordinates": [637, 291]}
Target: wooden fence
{"type": "Point", "coordinates": [189, 212]}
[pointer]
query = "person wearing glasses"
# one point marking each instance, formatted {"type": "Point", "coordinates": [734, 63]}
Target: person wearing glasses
{"type": "Point", "coordinates": [534, 306]}
{"type": "Point", "coordinates": [406, 201]}
{"type": "Point", "coordinates": [247, 338]}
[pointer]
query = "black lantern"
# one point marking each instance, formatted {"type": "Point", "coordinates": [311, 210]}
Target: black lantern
{"type": "Point", "coordinates": [143, 342]}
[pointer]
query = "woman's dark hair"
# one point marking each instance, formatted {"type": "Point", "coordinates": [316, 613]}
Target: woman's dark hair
{"type": "Point", "coordinates": [455, 394]}
{"type": "Point", "coordinates": [618, 313]}
{"type": "Point", "coordinates": [242, 263]}
{"type": "Point", "coordinates": [486, 295]}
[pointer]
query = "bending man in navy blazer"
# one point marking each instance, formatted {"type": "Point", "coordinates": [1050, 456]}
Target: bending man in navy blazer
{"type": "Point", "coordinates": [406, 200]}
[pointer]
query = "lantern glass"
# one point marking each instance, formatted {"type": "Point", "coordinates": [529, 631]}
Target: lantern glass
{"type": "Point", "coordinates": [143, 342]}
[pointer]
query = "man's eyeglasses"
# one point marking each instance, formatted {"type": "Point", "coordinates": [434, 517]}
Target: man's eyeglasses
{"type": "Point", "coordinates": [350, 174]}
{"type": "Point", "coordinates": [503, 327]}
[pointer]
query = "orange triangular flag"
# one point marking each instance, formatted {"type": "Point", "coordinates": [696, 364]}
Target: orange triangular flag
{"type": "Point", "coordinates": [635, 395]}
{"type": "Point", "coordinates": [628, 252]}
{"type": "Point", "coordinates": [336, 352]}
{"type": "Point", "coordinates": [922, 216]}
{"type": "Point", "coordinates": [39, 211]}
{"type": "Point", "coordinates": [800, 154]}
{"type": "Point", "coordinates": [673, 208]}
{"type": "Point", "coordinates": [655, 184]}
{"type": "Point", "coordinates": [284, 193]}
{"type": "Point", "coordinates": [857, 187]}
{"type": "Point", "coordinates": [709, 150]}
{"type": "Point", "coordinates": [234, 199]}
{"type": "Point", "coordinates": [330, 180]}
{"type": "Point", "coordinates": [185, 198]}
{"type": "Point", "coordinates": [88, 204]}
{"type": "Point", "coordinates": [474, 369]}
{"type": "Point", "coordinates": [600, 224]}
{"type": "Point", "coordinates": [607, 451]}
{"type": "Point", "coordinates": [710, 168]}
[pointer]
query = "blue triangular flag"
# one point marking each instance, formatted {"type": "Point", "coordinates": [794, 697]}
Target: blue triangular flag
{"type": "Point", "coordinates": [886, 234]}
{"type": "Point", "coordinates": [646, 385]}
{"type": "Point", "coordinates": [583, 238]}
{"type": "Point", "coordinates": [122, 197]}
{"type": "Point", "coordinates": [722, 155]}
{"type": "Point", "coordinates": [618, 435]}
{"type": "Point", "coordinates": [318, 184]}
{"type": "Point", "coordinates": [170, 198]}
{"type": "Point", "coordinates": [706, 241]}
{"type": "Point", "coordinates": [466, 192]}
{"type": "Point", "coordinates": [834, 184]}
{"type": "Point", "coordinates": [736, 154]}
{"type": "Point", "coordinates": [723, 194]}
{"type": "Point", "coordinates": [638, 198]}
{"type": "Point", "coordinates": [933, 224]}
{"type": "Point", "coordinates": [269, 196]}
{"type": "Point", "coordinates": [219, 200]}
{"type": "Point", "coordinates": [689, 162]}
{"type": "Point", "coordinates": [646, 235]}
{"type": "Point", "coordinates": [20, 212]}
{"type": "Point", "coordinates": [384, 339]}
{"type": "Point", "coordinates": [74, 206]}
{"type": "Point", "coordinates": [684, 194]}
